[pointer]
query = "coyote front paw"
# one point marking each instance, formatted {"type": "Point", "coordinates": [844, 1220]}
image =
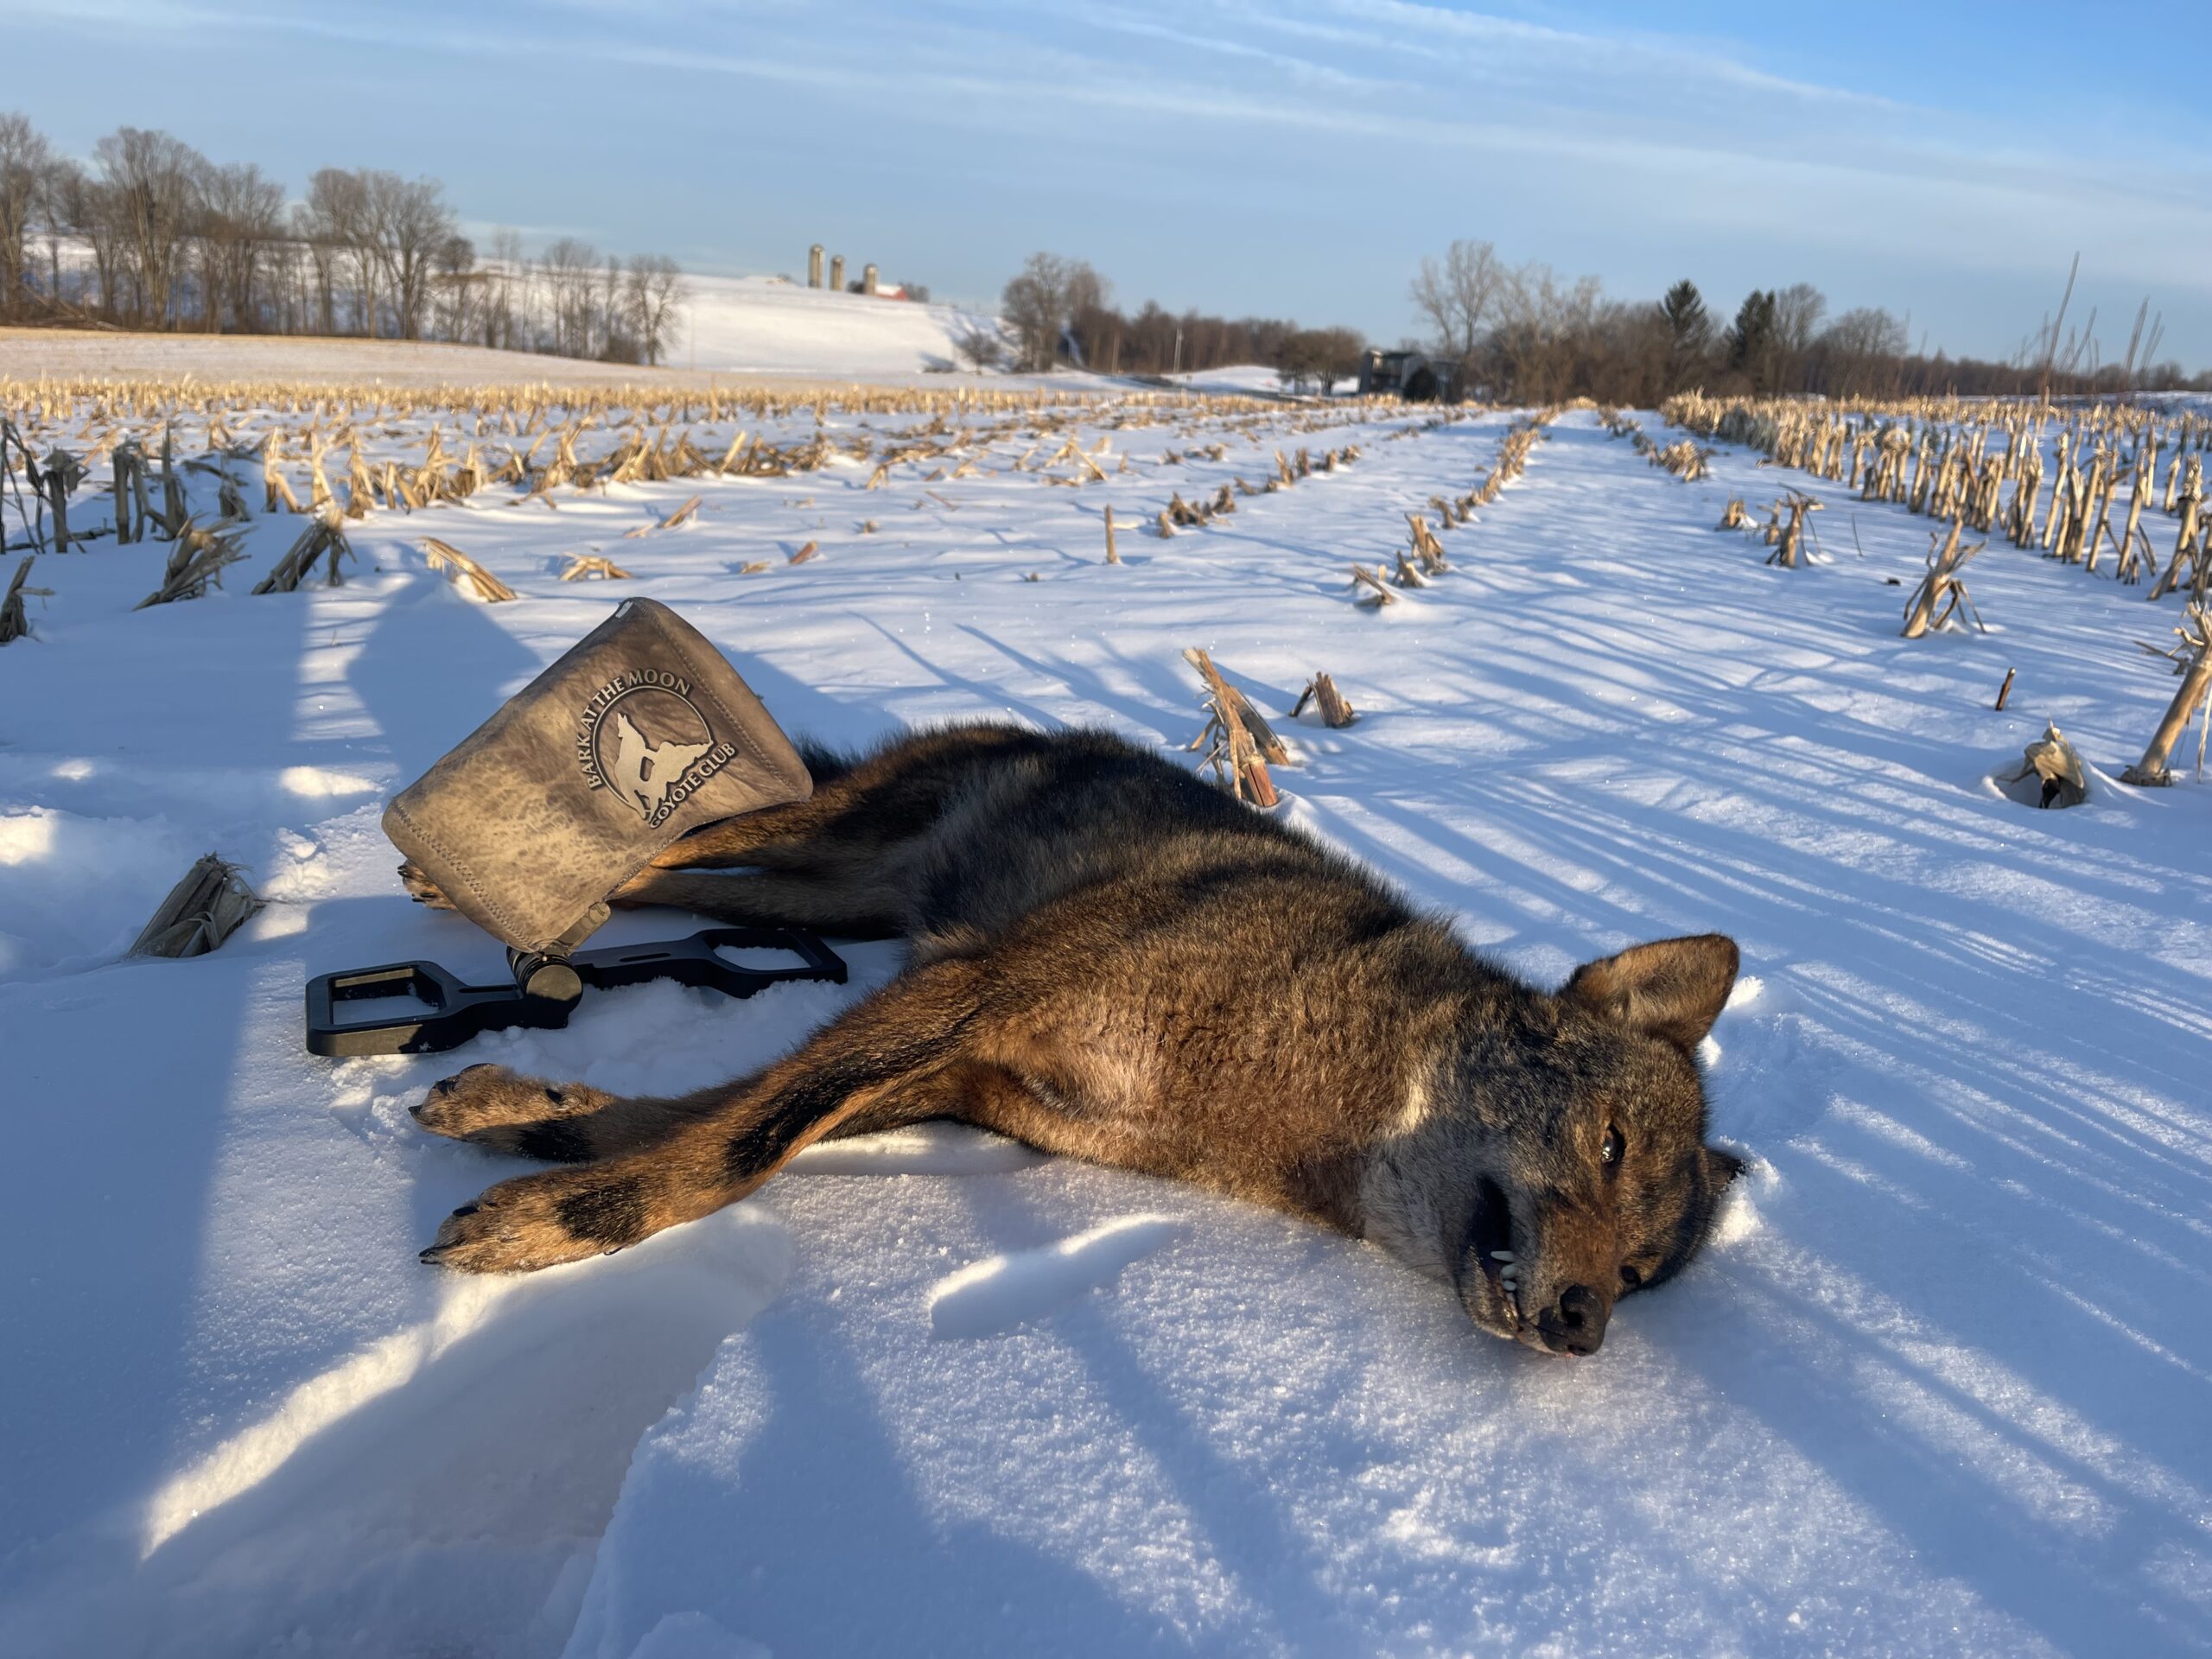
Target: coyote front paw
{"type": "Point", "coordinates": [421, 888]}
{"type": "Point", "coordinates": [491, 1106]}
{"type": "Point", "coordinates": [540, 1220]}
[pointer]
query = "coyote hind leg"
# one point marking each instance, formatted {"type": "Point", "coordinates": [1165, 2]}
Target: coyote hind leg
{"type": "Point", "coordinates": [893, 1045]}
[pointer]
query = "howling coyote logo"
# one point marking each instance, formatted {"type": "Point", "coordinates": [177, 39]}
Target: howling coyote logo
{"type": "Point", "coordinates": [640, 771]}
{"type": "Point", "coordinates": [643, 739]}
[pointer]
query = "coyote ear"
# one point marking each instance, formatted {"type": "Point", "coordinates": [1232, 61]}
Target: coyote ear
{"type": "Point", "coordinates": [1721, 1166]}
{"type": "Point", "coordinates": [1673, 989]}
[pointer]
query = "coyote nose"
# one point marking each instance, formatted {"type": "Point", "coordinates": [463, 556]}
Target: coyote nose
{"type": "Point", "coordinates": [1577, 1325]}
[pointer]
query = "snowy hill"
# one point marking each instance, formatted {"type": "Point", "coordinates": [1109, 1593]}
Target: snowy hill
{"type": "Point", "coordinates": [1943, 1386]}
{"type": "Point", "coordinates": [761, 325]}
{"type": "Point", "coordinates": [734, 326]}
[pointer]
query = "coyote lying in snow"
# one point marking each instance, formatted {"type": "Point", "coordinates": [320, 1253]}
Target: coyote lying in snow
{"type": "Point", "coordinates": [1113, 960]}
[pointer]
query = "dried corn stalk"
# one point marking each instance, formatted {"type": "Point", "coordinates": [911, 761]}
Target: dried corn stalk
{"type": "Point", "coordinates": [321, 535]}
{"type": "Point", "coordinates": [274, 485]}
{"type": "Point", "coordinates": [1238, 743]}
{"type": "Point", "coordinates": [64, 473]}
{"type": "Point", "coordinates": [1371, 589]}
{"type": "Point", "coordinates": [1270, 747]}
{"type": "Point", "coordinates": [1321, 691]}
{"type": "Point", "coordinates": [199, 557]}
{"type": "Point", "coordinates": [2051, 758]}
{"type": "Point", "coordinates": [14, 625]}
{"type": "Point", "coordinates": [1790, 545]}
{"type": "Point", "coordinates": [360, 489]}
{"type": "Point", "coordinates": [582, 566]}
{"type": "Point", "coordinates": [487, 586]}
{"type": "Point", "coordinates": [2193, 658]}
{"type": "Point", "coordinates": [127, 467]}
{"type": "Point", "coordinates": [682, 515]}
{"type": "Point", "coordinates": [1940, 593]}
{"type": "Point", "coordinates": [1427, 548]}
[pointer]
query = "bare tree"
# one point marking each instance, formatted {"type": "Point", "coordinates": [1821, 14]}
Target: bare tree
{"type": "Point", "coordinates": [409, 224]}
{"type": "Point", "coordinates": [1039, 303]}
{"type": "Point", "coordinates": [1032, 302]}
{"type": "Point", "coordinates": [242, 214]}
{"type": "Point", "coordinates": [60, 203]}
{"type": "Point", "coordinates": [1320, 358]}
{"type": "Point", "coordinates": [25, 158]}
{"type": "Point", "coordinates": [152, 190]}
{"type": "Point", "coordinates": [454, 273]}
{"type": "Point", "coordinates": [1860, 346]}
{"type": "Point", "coordinates": [980, 347]}
{"type": "Point", "coordinates": [1458, 295]}
{"type": "Point", "coordinates": [284, 280]}
{"type": "Point", "coordinates": [654, 295]}
{"type": "Point", "coordinates": [1798, 309]}
{"type": "Point", "coordinates": [508, 301]}
{"type": "Point", "coordinates": [609, 344]}
{"type": "Point", "coordinates": [569, 265]}
{"type": "Point", "coordinates": [1544, 327]}
{"type": "Point", "coordinates": [336, 221]}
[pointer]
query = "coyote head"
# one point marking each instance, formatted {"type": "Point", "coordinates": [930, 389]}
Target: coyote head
{"type": "Point", "coordinates": [1557, 1161]}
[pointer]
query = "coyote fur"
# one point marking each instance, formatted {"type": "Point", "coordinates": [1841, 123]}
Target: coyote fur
{"type": "Point", "coordinates": [1113, 960]}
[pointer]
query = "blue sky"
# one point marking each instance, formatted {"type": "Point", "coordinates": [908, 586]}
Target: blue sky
{"type": "Point", "coordinates": [1281, 157]}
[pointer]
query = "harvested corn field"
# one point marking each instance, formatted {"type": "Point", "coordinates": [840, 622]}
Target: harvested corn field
{"type": "Point", "coordinates": [1927, 1388]}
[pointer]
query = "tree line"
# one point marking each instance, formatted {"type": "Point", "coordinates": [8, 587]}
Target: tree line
{"type": "Point", "coordinates": [1522, 333]}
{"type": "Point", "coordinates": [154, 235]}
{"type": "Point", "coordinates": [1057, 310]}
{"type": "Point", "coordinates": [1526, 334]}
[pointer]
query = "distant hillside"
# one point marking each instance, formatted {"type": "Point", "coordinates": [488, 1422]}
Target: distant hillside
{"type": "Point", "coordinates": [764, 325]}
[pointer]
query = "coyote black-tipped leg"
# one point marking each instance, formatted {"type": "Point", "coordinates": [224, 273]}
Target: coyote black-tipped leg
{"type": "Point", "coordinates": [540, 1221]}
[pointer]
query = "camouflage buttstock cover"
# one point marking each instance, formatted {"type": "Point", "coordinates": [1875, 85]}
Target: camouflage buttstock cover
{"type": "Point", "coordinates": [639, 733]}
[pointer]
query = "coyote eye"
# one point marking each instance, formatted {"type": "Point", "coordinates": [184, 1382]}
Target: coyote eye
{"type": "Point", "coordinates": [1631, 1279]}
{"type": "Point", "coordinates": [1609, 1153]}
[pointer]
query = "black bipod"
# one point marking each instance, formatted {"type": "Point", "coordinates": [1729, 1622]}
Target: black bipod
{"type": "Point", "coordinates": [545, 989]}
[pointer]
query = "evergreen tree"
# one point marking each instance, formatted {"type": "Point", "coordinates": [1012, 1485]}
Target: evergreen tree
{"type": "Point", "coordinates": [1752, 338]}
{"type": "Point", "coordinates": [1689, 332]}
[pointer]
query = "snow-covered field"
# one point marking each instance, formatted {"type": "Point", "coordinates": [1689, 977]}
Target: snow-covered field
{"type": "Point", "coordinates": [75, 354]}
{"type": "Point", "coordinates": [755, 325]}
{"type": "Point", "coordinates": [734, 326]}
{"type": "Point", "coordinates": [1943, 1385]}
